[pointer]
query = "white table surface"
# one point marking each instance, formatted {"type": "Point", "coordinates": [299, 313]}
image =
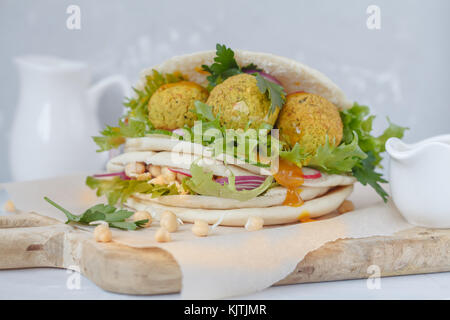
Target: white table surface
{"type": "Point", "coordinates": [50, 283]}
{"type": "Point", "coordinates": [47, 283]}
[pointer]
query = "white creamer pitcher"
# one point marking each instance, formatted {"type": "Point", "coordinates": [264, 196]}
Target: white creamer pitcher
{"type": "Point", "coordinates": [55, 118]}
{"type": "Point", "coordinates": [420, 180]}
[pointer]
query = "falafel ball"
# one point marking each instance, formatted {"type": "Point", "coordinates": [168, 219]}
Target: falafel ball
{"type": "Point", "coordinates": [240, 103]}
{"type": "Point", "coordinates": [169, 106]}
{"type": "Point", "coordinates": [307, 118]}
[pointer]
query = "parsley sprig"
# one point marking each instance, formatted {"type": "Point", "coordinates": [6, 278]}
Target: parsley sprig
{"type": "Point", "coordinates": [116, 218]}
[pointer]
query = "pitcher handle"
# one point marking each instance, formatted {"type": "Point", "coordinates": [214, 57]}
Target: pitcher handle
{"type": "Point", "coordinates": [97, 90]}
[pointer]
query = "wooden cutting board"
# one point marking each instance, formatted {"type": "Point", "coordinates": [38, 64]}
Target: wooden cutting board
{"type": "Point", "coordinates": [28, 240]}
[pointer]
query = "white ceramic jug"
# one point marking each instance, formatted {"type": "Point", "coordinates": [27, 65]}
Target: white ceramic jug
{"type": "Point", "coordinates": [55, 118]}
{"type": "Point", "coordinates": [420, 180]}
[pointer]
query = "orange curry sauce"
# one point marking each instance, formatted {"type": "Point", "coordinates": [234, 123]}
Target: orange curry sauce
{"type": "Point", "coordinates": [290, 176]}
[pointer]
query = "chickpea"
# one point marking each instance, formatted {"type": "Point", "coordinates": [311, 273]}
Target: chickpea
{"type": "Point", "coordinates": [254, 223]}
{"type": "Point", "coordinates": [346, 206]}
{"type": "Point", "coordinates": [162, 235]}
{"type": "Point", "coordinates": [144, 176]}
{"type": "Point", "coordinates": [9, 206]}
{"type": "Point", "coordinates": [159, 180]}
{"type": "Point", "coordinates": [134, 168]}
{"type": "Point", "coordinates": [143, 215]}
{"type": "Point", "coordinates": [154, 170]}
{"type": "Point", "coordinates": [200, 228]}
{"type": "Point", "coordinates": [102, 233]}
{"type": "Point", "coordinates": [168, 175]}
{"type": "Point", "coordinates": [169, 221]}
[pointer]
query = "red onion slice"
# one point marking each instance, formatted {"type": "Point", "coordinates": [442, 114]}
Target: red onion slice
{"type": "Point", "coordinates": [265, 75]}
{"type": "Point", "coordinates": [121, 175]}
{"type": "Point", "coordinates": [186, 173]}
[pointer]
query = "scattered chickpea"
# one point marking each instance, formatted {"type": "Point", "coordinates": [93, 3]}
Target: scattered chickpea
{"type": "Point", "coordinates": [9, 206]}
{"type": "Point", "coordinates": [102, 233]}
{"type": "Point", "coordinates": [143, 215]}
{"type": "Point", "coordinates": [254, 223]}
{"type": "Point", "coordinates": [134, 168]}
{"type": "Point", "coordinates": [169, 221]}
{"type": "Point", "coordinates": [154, 170]}
{"type": "Point", "coordinates": [200, 228]}
{"type": "Point", "coordinates": [346, 206]}
{"type": "Point", "coordinates": [168, 175]}
{"type": "Point", "coordinates": [162, 235]}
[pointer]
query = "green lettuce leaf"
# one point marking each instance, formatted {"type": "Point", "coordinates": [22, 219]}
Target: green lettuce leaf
{"type": "Point", "coordinates": [136, 123]}
{"type": "Point", "coordinates": [117, 190]}
{"type": "Point", "coordinates": [341, 159]}
{"type": "Point", "coordinates": [203, 183]}
{"type": "Point", "coordinates": [357, 120]}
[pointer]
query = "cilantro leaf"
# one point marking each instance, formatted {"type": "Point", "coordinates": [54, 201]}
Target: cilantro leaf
{"type": "Point", "coordinates": [116, 218]}
{"type": "Point", "coordinates": [224, 66]}
{"type": "Point", "coordinates": [274, 92]}
{"type": "Point", "coordinates": [365, 173]}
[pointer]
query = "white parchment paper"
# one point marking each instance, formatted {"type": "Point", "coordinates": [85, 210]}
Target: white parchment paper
{"type": "Point", "coordinates": [231, 261]}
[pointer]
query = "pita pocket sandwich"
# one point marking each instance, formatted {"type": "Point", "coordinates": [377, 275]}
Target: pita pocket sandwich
{"type": "Point", "coordinates": [226, 135]}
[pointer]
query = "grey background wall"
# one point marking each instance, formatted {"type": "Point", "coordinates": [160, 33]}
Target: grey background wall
{"type": "Point", "coordinates": [401, 70]}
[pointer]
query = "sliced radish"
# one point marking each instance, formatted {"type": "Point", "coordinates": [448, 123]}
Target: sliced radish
{"type": "Point", "coordinates": [311, 174]}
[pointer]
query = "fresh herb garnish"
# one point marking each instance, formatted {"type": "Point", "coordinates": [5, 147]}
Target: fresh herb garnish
{"type": "Point", "coordinates": [274, 92]}
{"type": "Point", "coordinates": [115, 218]}
{"type": "Point", "coordinates": [224, 66]}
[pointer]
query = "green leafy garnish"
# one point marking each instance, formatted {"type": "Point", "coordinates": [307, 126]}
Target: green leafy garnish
{"type": "Point", "coordinates": [224, 66]}
{"type": "Point", "coordinates": [358, 121]}
{"type": "Point", "coordinates": [359, 152]}
{"type": "Point", "coordinates": [136, 123]}
{"type": "Point", "coordinates": [203, 183]}
{"type": "Point", "coordinates": [274, 92]}
{"type": "Point", "coordinates": [240, 144]}
{"type": "Point", "coordinates": [118, 190]}
{"type": "Point", "coordinates": [115, 218]}
{"type": "Point", "coordinates": [341, 159]}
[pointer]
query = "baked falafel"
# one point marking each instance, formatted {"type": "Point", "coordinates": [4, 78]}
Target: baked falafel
{"type": "Point", "coordinates": [240, 103]}
{"type": "Point", "coordinates": [170, 105]}
{"type": "Point", "coordinates": [307, 119]}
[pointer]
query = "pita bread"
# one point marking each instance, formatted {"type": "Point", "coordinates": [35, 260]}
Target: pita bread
{"type": "Point", "coordinates": [184, 161]}
{"type": "Point", "coordinates": [238, 217]}
{"type": "Point", "coordinates": [293, 75]}
{"type": "Point", "coordinates": [273, 197]}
